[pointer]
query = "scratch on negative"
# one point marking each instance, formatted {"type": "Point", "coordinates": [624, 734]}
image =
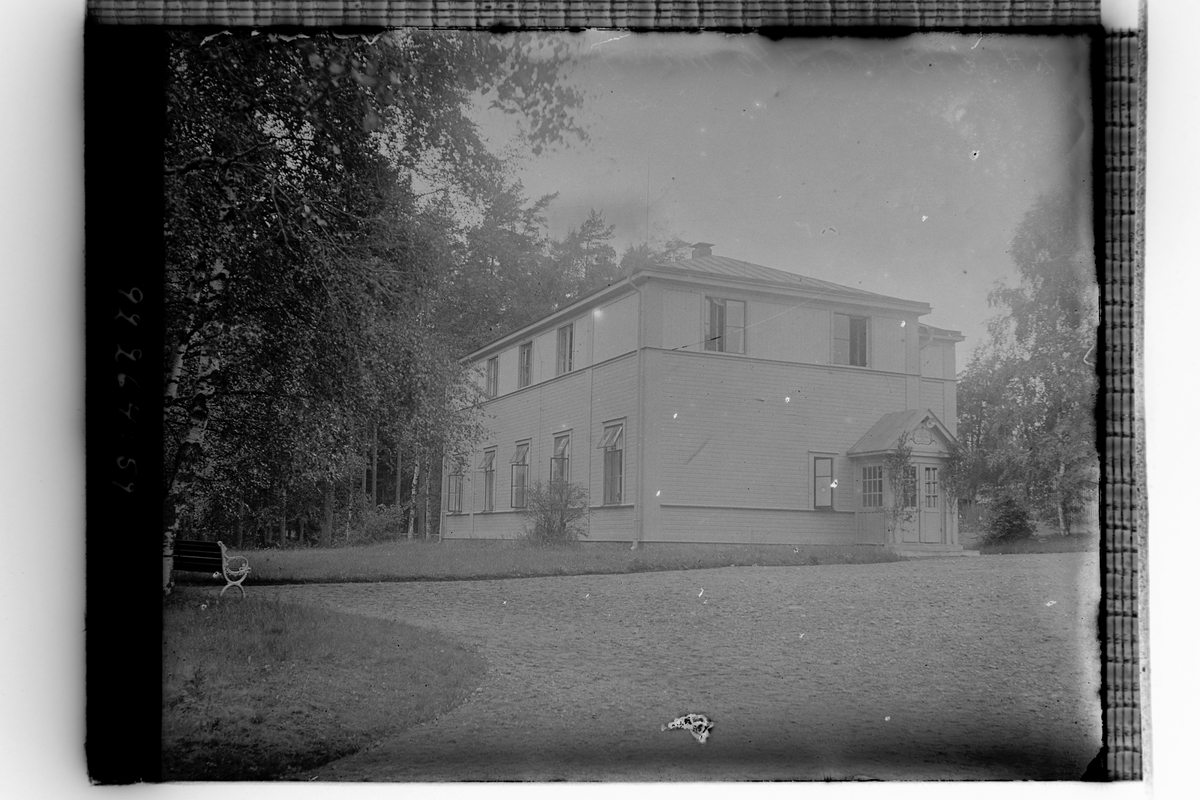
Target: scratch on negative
{"type": "Point", "coordinates": [613, 39]}
{"type": "Point", "coordinates": [706, 441]}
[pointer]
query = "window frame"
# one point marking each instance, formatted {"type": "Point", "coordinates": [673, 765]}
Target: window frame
{"type": "Point", "coordinates": [612, 445]}
{"type": "Point", "coordinates": [525, 364]}
{"type": "Point", "coordinates": [857, 339]}
{"type": "Point", "coordinates": [520, 460]}
{"type": "Point", "coordinates": [564, 461]}
{"type": "Point", "coordinates": [492, 388]}
{"type": "Point", "coordinates": [872, 486]}
{"type": "Point", "coordinates": [565, 354]}
{"type": "Point", "coordinates": [487, 465]}
{"type": "Point", "coordinates": [912, 491]}
{"type": "Point", "coordinates": [454, 493]}
{"type": "Point", "coordinates": [832, 477]}
{"type": "Point", "coordinates": [931, 500]}
{"type": "Point", "coordinates": [719, 343]}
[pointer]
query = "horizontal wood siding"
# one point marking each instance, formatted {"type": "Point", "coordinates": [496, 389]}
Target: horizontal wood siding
{"type": "Point", "coordinates": [537, 414]}
{"type": "Point", "coordinates": [788, 333]}
{"type": "Point", "coordinates": [614, 396]}
{"type": "Point", "coordinates": [615, 328]}
{"type": "Point", "coordinates": [583, 342]}
{"type": "Point", "coordinates": [933, 360]}
{"type": "Point", "coordinates": [726, 432]}
{"type": "Point", "coordinates": [888, 343]}
{"type": "Point", "coordinates": [933, 398]}
{"type": "Point", "coordinates": [682, 320]}
{"type": "Point", "coordinates": [752, 526]}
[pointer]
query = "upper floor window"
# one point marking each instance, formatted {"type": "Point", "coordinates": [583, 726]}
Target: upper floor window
{"type": "Point", "coordinates": [725, 326]}
{"type": "Point", "coordinates": [524, 365]}
{"type": "Point", "coordinates": [566, 344]}
{"type": "Point", "coordinates": [493, 376]}
{"type": "Point", "coordinates": [849, 340]}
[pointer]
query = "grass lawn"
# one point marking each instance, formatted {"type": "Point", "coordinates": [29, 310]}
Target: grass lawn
{"type": "Point", "coordinates": [488, 559]}
{"type": "Point", "coordinates": [256, 689]}
{"type": "Point", "coordinates": [1052, 543]}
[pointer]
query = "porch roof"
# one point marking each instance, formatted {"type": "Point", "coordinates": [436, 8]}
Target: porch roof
{"type": "Point", "coordinates": [885, 434]}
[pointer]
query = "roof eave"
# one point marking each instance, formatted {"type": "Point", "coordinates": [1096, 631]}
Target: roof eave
{"type": "Point", "coordinates": [848, 296]}
{"type": "Point", "coordinates": [549, 321]}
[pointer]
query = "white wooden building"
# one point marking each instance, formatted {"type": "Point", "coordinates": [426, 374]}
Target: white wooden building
{"type": "Point", "coordinates": [714, 400]}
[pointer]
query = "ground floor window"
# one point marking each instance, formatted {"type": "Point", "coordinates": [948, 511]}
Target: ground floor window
{"type": "Point", "coordinates": [612, 443]}
{"type": "Point", "coordinates": [908, 488]}
{"type": "Point", "coordinates": [560, 462]}
{"type": "Point", "coordinates": [487, 465]}
{"type": "Point", "coordinates": [823, 482]}
{"type": "Point", "coordinates": [872, 486]}
{"type": "Point", "coordinates": [520, 474]}
{"type": "Point", "coordinates": [454, 494]}
{"type": "Point", "coordinates": [931, 487]}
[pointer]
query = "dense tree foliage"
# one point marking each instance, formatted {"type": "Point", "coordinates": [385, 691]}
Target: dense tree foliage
{"type": "Point", "coordinates": [314, 191]}
{"type": "Point", "coordinates": [1026, 400]}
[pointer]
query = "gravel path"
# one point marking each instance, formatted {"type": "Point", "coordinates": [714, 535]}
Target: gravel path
{"type": "Point", "coordinates": [942, 669]}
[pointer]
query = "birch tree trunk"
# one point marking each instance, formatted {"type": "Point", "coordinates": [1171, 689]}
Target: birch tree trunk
{"type": "Point", "coordinates": [399, 477]}
{"type": "Point", "coordinates": [412, 517]}
{"type": "Point", "coordinates": [327, 523]}
{"type": "Point", "coordinates": [283, 519]}
{"type": "Point", "coordinates": [425, 500]}
{"type": "Point", "coordinates": [374, 466]}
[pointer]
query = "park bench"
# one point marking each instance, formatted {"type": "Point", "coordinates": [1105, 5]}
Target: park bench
{"type": "Point", "coordinates": [194, 556]}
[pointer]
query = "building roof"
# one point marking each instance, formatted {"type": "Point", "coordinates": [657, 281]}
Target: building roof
{"type": "Point", "coordinates": [744, 270]}
{"type": "Point", "coordinates": [884, 434]}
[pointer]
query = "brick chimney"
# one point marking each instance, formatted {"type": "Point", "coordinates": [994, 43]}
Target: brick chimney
{"type": "Point", "coordinates": [701, 249]}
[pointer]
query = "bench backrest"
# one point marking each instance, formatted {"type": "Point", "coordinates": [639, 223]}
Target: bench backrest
{"type": "Point", "coordinates": [192, 556]}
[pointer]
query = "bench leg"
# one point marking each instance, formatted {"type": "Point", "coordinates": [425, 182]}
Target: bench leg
{"type": "Point", "coordinates": [238, 585]}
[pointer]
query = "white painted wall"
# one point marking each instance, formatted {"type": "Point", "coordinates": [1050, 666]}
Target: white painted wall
{"type": "Point", "coordinates": [615, 329]}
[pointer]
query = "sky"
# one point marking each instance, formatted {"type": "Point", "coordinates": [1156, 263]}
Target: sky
{"type": "Point", "coordinates": [898, 166]}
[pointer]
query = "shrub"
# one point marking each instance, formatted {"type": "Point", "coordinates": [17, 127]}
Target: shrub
{"type": "Point", "coordinates": [1008, 520]}
{"type": "Point", "coordinates": [555, 513]}
{"type": "Point", "coordinates": [378, 523]}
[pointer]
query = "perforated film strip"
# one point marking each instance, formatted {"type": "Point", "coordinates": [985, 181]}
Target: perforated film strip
{"type": "Point", "coordinates": [658, 14]}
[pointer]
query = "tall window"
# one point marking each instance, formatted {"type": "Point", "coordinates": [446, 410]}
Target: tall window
{"type": "Point", "coordinates": [493, 376]}
{"type": "Point", "coordinates": [454, 494]}
{"type": "Point", "coordinates": [872, 486]}
{"type": "Point", "coordinates": [931, 487]}
{"type": "Point", "coordinates": [725, 327]}
{"type": "Point", "coordinates": [823, 483]}
{"type": "Point", "coordinates": [613, 445]}
{"type": "Point", "coordinates": [524, 365]}
{"type": "Point", "coordinates": [566, 344]}
{"type": "Point", "coordinates": [487, 465]}
{"type": "Point", "coordinates": [849, 340]}
{"type": "Point", "coordinates": [908, 488]}
{"type": "Point", "coordinates": [560, 462]}
{"type": "Point", "coordinates": [520, 474]}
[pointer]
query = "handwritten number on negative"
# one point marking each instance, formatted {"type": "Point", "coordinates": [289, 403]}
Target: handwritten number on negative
{"type": "Point", "coordinates": [134, 294]}
{"type": "Point", "coordinates": [133, 356]}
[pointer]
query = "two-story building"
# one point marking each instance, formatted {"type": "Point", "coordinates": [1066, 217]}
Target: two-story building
{"type": "Point", "coordinates": [714, 400]}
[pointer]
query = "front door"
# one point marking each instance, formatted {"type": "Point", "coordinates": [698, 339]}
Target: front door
{"type": "Point", "coordinates": [932, 514]}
